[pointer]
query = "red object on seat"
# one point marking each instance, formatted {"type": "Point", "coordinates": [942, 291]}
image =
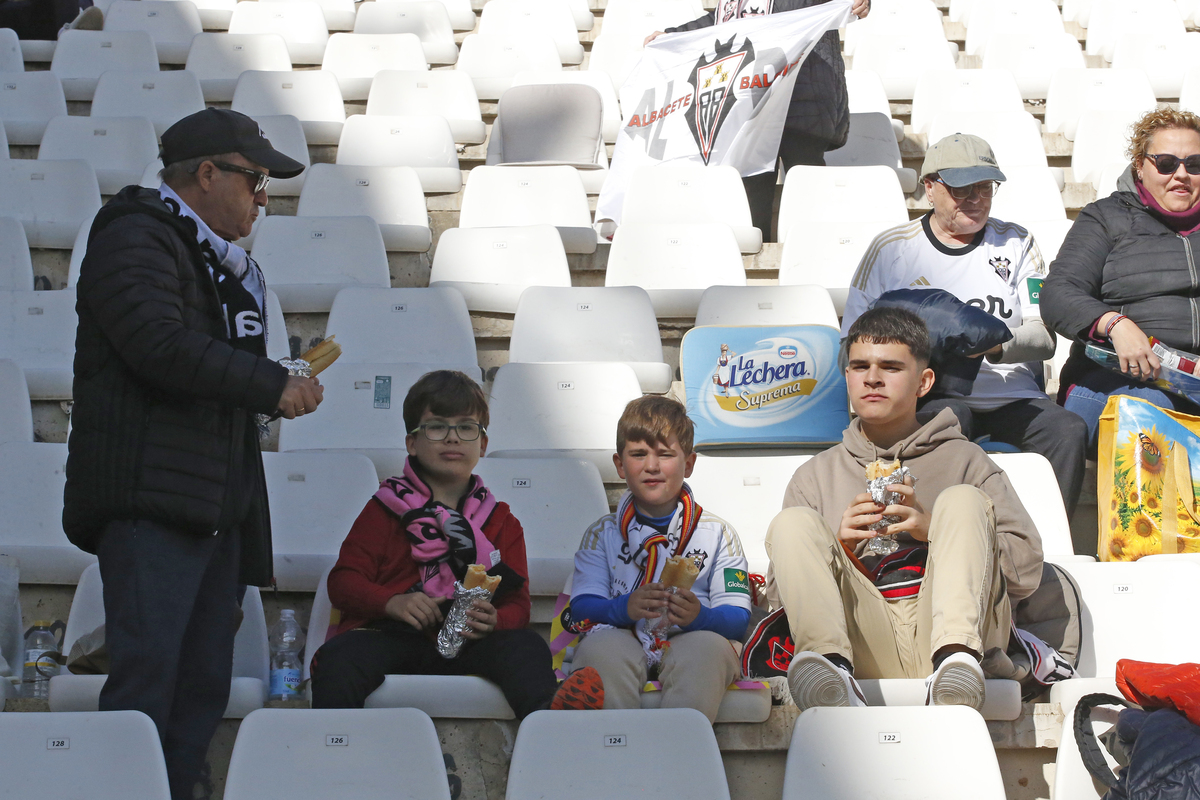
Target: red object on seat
{"type": "Point", "coordinates": [1150, 685]}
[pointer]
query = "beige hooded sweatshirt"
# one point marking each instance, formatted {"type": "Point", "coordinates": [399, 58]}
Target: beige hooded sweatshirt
{"type": "Point", "coordinates": [939, 456]}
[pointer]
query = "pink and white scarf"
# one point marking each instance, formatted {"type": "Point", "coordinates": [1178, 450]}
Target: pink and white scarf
{"type": "Point", "coordinates": [445, 541]}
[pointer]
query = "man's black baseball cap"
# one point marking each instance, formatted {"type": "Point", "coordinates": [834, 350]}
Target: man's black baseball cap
{"type": "Point", "coordinates": [218, 130]}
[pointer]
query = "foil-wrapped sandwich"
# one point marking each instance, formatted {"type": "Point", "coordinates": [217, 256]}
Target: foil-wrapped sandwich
{"type": "Point", "coordinates": [475, 585]}
{"type": "Point", "coordinates": [881, 475]}
{"type": "Point", "coordinates": [315, 361]}
{"type": "Point", "coordinates": [680, 572]}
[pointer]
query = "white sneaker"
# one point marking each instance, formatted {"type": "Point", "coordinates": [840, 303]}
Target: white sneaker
{"type": "Point", "coordinates": [958, 681]}
{"type": "Point", "coordinates": [814, 680]}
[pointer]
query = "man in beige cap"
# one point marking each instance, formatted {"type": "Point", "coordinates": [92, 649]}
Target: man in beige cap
{"type": "Point", "coordinates": [995, 266]}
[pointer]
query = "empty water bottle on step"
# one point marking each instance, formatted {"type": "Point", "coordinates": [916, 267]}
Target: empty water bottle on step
{"type": "Point", "coordinates": [287, 642]}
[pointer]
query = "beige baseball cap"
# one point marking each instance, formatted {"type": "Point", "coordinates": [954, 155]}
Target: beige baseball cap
{"type": "Point", "coordinates": [961, 160]}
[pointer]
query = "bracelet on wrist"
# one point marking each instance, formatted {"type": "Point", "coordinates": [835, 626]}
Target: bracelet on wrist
{"type": "Point", "coordinates": [1112, 323]}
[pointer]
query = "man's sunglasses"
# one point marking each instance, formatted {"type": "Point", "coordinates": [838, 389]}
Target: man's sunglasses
{"type": "Point", "coordinates": [985, 189]}
{"type": "Point", "coordinates": [1166, 164]}
{"type": "Point", "coordinates": [261, 178]}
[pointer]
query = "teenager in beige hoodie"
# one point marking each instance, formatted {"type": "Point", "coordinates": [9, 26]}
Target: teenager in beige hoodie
{"type": "Point", "coordinates": [968, 549]}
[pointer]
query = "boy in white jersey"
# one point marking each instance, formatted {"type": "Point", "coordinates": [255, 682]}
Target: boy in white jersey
{"type": "Point", "coordinates": [995, 266]}
{"type": "Point", "coordinates": [617, 599]}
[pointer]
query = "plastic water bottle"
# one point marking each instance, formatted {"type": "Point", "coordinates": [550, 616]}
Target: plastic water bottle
{"type": "Point", "coordinates": [287, 641]}
{"type": "Point", "coordinates": [41, 659]}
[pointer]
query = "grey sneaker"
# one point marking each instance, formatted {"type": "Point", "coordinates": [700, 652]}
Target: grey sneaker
{"type": "Point", "coordinates": [958, 681]}
{"type": "Point", "coordinates": [814, 680]}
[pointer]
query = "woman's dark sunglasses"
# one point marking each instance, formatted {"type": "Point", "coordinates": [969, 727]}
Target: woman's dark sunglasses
{"type": "Point", "coordinates": [1166, 164]}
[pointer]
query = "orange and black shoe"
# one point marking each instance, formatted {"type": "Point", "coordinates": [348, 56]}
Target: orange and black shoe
{"type": "Point", "coordinates": [582, 690]}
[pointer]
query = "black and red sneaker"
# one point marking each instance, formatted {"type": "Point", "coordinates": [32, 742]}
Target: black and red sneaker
{"type": "Point", "coordinates": [582, 690]}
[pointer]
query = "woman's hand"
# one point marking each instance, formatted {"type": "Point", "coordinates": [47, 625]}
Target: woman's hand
{"type": "Point", "coordinates": [861, 8]}
{"type": "Point", "coordinates": [1133, 349]}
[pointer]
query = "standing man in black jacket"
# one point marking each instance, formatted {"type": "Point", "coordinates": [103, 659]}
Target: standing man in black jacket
{"type": "Point", "coordinates": [164, 474]}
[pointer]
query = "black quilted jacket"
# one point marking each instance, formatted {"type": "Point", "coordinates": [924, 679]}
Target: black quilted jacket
{"type": "Point", "coordinates": [163, 427]}
{"type": "Point", "coordinates": [820, 107]}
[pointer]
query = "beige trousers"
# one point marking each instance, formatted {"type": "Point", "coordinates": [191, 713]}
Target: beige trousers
{"type": "Point", "coordinates": [695, 670]}
{"type": "Point", "coordinates": [833, 608]}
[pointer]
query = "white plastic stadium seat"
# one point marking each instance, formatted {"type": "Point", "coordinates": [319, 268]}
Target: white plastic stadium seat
{"type": "Point", "coordinates": [865, 93]}
{"type": "Point", "coordinates": [491, 267]}
{"type": "Point", "coordinates": [1029, 17]}
{"type": "Point", "coordinates": [614, 323]}
{"type": "Point", "coordinates": [872, 142]}
{"type": "Point", "coordinates": [170, 23]}
{"type": "Point", "coordinates": [1033, 58]}
{"type": "Point", "coordinates": [356, 58]}
{"type": "Point", "coordinates": [440, 696]}
{"type": "Point", "coordinates": [51, 198]}
{"type": "Point", "coordinates": [449, 94]}
{"type": "Point", "coordinates": [251, 654]}
{"type": "Point", "coordinates": [1033, 479]}
{"type": "Point", "coordinates": [927, 753]}
{"type": "Point", "coordinates": [16, 267]}
{"type": "Point", "coordinates": [915, 21]}
{"type": "Point", "coordinates": [746, 492]}
{"type": "Point", "coordinates": [31, 502]}
{"type": "Point", "coordinates": [551, 124]}
{"type": "Point", "coordinates": [1015, 136]}
{"type": "Point", "coordinates": [1074, 91]}
{"type": "Point", "coordinates": [306, 260]}
{"type": "Point", "coordinates": [425, 18]}
{"type": "Point", "coordinates": [301, 23]}
{"type": "Point", "coordinates": [374, 754]}
{"type": "Point", "coordinates": [1112, 172]}
{"type": "Point", "coordinates": [339, 14]}
{"type": "Point", "coordinates": [162, 97]}
{"type": "Point", "coordinates": [766, 305]}
{"type": "Point", "coordinates": [461, 14]}
{"type": "Point", "coordinates": [28, 101]}
{"type": "Point", "coordinates": [315, 498]}
{"type": "Point", "coordinates": [955, 91]}
{"type": "Point", "coordinates": [565, 410]}
{"type": "Point", "coordinates": [1189, 94]}
{"type": "Point", "coordinates": [635, 19]}
{"type": "Point", "coordinates": [552, 497]}
{"type": "Point", "coordinates": [311, 96]}
{"type": "Point", "coordinates": [1114, 617]}
{"type": "Point", "coordinates": [214, 14]}
{"type": "Point", "coordinates": [1030, 193]}
{"type": "Point", "coordinates": [286, 134]}
{"type": "Point", "coordinates": [1071, 777]}
{"type": "Point", "coordinates": [613, 56]}
{"type": "Point", "coordinates": [118, 148]}
{"type": "Point", "coordinates": [830, 194]}
{"type": "Point", "coordinates": [827, 252]}
{"type": "Point", "coordinates": [506, 196]}
{"type": "Point", "coordinates": [510, 18]}
{"type": "Point", "coordinates": [11, 58]}
{"type": "Point", "coordinates": [675, 263]}
{"type": "Point", "coordinates": [100, 755]}
{"type": "Point", "coordinates": [1165, 60]}
{"type": "Point", "coordinates": [685, 191]}
{"type": "Point", "coordinates": [611, 112]}
{"type": "Point", "coordinates": [398, 325]}
{"type": "Point", "coordinates": [1110, 20]}
{"type": "Point", "coordinates": [217, 59]}
{"type": "Point", "coordinates": [81, 57]}
{"type": "Point", "coordinates": [425, 144]}
{"type": "Point", "coordinates": [899, 60]}
{"type": "Point", "coordinates": [362, 409]}
{"type": "Point", "coordinates": [1100, 140]}
{"type": "Point", "coordinates": [607, 749]}
{"type": "Point", "coordinates": [16, 417]}
{"type": "Point", "coordinates": [391, 196]}
{"type": "Point", "coordinates": [493, 61]}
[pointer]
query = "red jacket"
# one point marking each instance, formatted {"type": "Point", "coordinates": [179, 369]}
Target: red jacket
{"type": "Point", "coordinates": [376, 563]}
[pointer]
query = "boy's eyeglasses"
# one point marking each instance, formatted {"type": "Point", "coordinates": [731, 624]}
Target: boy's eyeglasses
{"type": "Point", "coordinates": [985, 189]}
{"type": "Point", "coordinates": [1166, 164]}
{"type": "Point", "coordinates": [438, 431]}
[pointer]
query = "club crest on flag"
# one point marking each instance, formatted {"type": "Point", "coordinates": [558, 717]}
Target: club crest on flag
{"type": "Point", "coordinates": [713, 82]}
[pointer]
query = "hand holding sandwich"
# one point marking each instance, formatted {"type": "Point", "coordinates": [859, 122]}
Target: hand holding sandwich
{"type": "Point", "coordinates": [914, 520]}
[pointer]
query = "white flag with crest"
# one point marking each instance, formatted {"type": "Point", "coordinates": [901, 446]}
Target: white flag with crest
{"type": "Point", "coordinates": [717, 95]}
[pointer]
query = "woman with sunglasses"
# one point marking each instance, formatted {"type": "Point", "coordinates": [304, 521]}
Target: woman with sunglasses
{"type": "Point", "coordinates": [1130, 268]}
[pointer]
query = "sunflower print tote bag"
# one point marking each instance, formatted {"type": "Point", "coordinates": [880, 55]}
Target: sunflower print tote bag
{"type": "Point", "coordinates": [1149, 468]}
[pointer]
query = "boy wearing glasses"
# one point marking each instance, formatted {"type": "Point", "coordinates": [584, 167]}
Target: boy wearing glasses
{"type": "Point", "coordinates": [995, 266]}
{"type": "Point", "coordinates": [394, 578]}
